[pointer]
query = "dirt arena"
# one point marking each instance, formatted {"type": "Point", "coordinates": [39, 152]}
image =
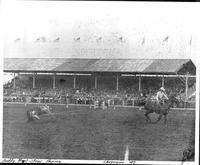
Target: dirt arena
{"type": "Point", "coordinates": [82, 133]}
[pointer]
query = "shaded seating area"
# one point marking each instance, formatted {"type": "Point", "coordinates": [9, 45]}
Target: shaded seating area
{"type": "Point", "coordinates": [125, 82]}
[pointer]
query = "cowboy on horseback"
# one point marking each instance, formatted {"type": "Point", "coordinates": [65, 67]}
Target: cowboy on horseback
{"type": "Point", "coordinates": [160, 105]}
{"type": "Point", "coordinates": [161, 96]}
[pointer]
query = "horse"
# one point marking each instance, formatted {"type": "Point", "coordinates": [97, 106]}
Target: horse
{"type": "Point", "coordinates": [35, 112]}
{"type": "Point", "coordinates": [161, 108]}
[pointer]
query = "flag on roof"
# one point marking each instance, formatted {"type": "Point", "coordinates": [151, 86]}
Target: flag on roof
{"type": "Point", "coordinates": [57, 39]}
{"type": "Point", "coordinates": [17, 40]}
{"type": "Point", "coordinates": [77, 39]}
{"type": "Point", "coordinates": [43, 39]}
{"type": "Point", "coordinates": [38, 39]}
{"type": "Point", "coordinates": [143, 40]}
{"type": "Point", "coordinates": [166, 39]}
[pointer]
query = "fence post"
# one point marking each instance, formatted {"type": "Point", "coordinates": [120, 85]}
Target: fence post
{"type": "Point", "coordinates": [74, 82]}
{"type": "Point", "coordinates": [34, 75]}
{"type": "Point", "coordinates": [95, 82]}
{"type": "Point", "coordinates": [186, 87]}
{"type": "Point", "coordinates": [54, 81]}
{"type": "Point", "coordinates": [139, 83]}
{"type": "Point", "coordinates": [117, 87]}
{"type": "Point", "coordinates": [163, 82]}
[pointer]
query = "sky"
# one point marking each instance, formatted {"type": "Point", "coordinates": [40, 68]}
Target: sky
{"type": "Point", "coordinates": [81, 29]}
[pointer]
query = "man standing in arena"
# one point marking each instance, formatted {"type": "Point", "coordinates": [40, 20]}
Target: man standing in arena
{"type": "Point", "coordinates": [161, 96]}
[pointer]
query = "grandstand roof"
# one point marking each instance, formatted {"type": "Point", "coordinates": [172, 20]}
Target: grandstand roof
{"type": "Point", "coordinates": [166, 66]}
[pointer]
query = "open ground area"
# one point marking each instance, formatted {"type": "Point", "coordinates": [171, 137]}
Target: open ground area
{"type": "Point", "coordinates": [83, 133]}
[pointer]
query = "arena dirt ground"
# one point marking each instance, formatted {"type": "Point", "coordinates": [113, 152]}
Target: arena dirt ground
{"type": "Point", "coordinates": [82, 133]}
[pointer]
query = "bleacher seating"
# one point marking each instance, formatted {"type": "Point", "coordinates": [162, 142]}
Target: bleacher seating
{"type": "Point", "coordinates": [126, 95]}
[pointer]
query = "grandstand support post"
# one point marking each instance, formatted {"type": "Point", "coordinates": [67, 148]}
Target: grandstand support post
{"type": "Point", "coordinates": [34, 80]}
{"type": "Point", "coordinates": [186, 91]}
{"type": "Point", "coordinates": [74, 82]}
{"type": "Point", "coordinates": [95, 82]}
{"type": "Point", "coordinates": [54, 81]}
{"type": "Point", "coordinates": [163, 82]}
{"type": "Point", "coordinates": [14, 84]}
{"type": "Point", "coordinates": [186, 87]}
{"type": "Point", "coordinates": [139, 83]}
{"type": "Point", "coordinates": [117, 85]}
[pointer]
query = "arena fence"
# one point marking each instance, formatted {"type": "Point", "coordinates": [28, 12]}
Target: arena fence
{"type": "Point", "coordinates": [86, 105]}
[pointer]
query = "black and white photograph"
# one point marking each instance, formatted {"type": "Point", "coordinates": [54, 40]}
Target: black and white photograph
{"type": "Point", "coordinates": [110, 82]}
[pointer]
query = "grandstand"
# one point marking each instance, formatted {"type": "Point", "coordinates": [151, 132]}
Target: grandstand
{"type": "Point", "coordinates": [83, 79]}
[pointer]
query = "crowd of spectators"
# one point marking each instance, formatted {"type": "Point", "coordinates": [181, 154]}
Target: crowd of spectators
{"type": "Point", "coordinates": [62, 94]}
